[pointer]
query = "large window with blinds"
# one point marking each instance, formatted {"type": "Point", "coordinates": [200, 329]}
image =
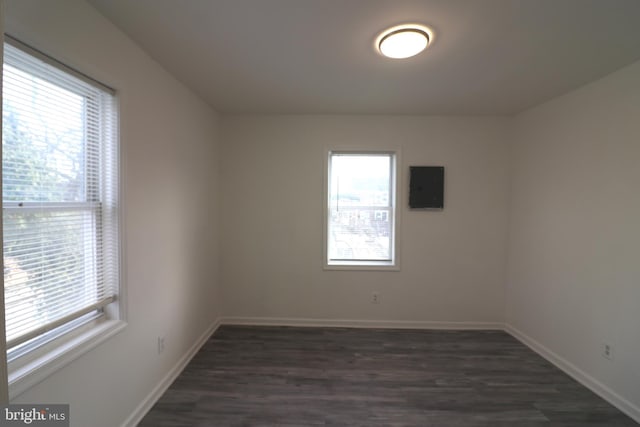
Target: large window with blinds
{"type": "Point", "coordinates": [361, 210]}
{"type": "Point", "coordinates": [60, 199]}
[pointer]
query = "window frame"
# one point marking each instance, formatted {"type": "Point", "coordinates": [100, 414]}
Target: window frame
{"type": "Point", "coordinates": [60, 346]}
{"type": "Point", "coordinates": [394, 210]}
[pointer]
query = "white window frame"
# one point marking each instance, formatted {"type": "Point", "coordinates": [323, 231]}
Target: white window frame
{"type": "Point", "coordinates": [364, 265]}
{"type": "Point", "coordinates": [59, 347]}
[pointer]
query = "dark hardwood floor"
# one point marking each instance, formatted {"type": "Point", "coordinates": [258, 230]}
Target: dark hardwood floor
{"type": "Point", "coordinates": [283, 376]}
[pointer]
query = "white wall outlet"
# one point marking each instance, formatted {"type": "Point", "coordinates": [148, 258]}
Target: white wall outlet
{"type": "Point", "coordinates": [375, 298]}
{"type": "Point", "coordinates": [607, 351]}
{"type": "Point", "coordinates": [160, 344]}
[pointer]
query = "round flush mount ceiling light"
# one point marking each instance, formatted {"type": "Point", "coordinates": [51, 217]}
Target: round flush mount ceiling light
{"type": "Point", "coordinates": [404, 41]}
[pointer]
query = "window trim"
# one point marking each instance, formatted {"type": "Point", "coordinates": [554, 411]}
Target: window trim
{"type": "Point", "coordinates": [61, 348]}
{"type": "Point", "coordinates": [363, 265]}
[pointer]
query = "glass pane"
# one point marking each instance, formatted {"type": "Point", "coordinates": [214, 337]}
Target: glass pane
{"type": "Point", "coordinates": [43, 140]}
{"type": "Point", "coordinates": [360, 180]}
{"type": "Point", "coordinates": [359, 234]}
{"type": "Point", "coordinates": [49, 267]}
{"type": "Point", "coordinates": [360, 212]}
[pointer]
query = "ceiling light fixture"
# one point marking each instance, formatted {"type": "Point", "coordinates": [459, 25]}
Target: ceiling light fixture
{"type": "Point", "coordinates": [404, 41]}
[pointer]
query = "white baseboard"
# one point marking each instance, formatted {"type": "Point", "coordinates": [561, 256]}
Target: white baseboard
{"type": "Point", "coordinates": [346, 323]}
{"type": "Point", "coordinates": [577, 374]}
{"type": "Point", "coordinates": [155, 394]}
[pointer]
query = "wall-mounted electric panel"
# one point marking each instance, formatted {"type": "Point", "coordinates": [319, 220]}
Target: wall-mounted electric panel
{"type": "Point", "coordinates": [426, 187]}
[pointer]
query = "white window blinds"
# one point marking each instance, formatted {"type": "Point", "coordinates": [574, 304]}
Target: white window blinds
{"type": "Point", "coordinates": [59, 188]}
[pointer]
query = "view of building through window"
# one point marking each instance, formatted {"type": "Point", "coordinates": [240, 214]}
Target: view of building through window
{"type": "Point", "coordinates": [361, 216]}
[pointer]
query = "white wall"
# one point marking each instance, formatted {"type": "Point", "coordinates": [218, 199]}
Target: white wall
{"type": "Point", "coordinates": [574, 270]}
{"type": "Point", "coordinates": [169, 142]}
{"type": "Point", "coordinates": [452, 262]}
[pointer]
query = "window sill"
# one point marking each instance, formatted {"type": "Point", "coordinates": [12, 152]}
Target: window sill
{"type": "Point", "coordinates": [26, 376]}
{"type": "Point", "coordinates": [362, 266]}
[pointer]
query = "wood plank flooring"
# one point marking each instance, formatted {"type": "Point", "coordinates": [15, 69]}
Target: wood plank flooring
{"type": "Point", "coordinates": [284, 376]}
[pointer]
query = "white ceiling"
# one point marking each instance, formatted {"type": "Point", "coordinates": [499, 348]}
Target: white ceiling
{"type": "Point", "coordinates": [317, 56]}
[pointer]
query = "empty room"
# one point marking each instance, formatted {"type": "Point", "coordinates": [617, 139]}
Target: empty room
{"type": "Point", "coordinates": [321, 212]}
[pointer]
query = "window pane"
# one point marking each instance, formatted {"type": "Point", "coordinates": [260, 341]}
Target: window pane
{"type": "Point", "coordinates": [360, 180]}
{"type": "Point", "coordinates": [50, 269]}
{"type": "Point", "coordinates": [359, 234]}
{"type": "Point", "coordinates": [43, 140]}
{"type": "Point", "coordinates": [360, 208]}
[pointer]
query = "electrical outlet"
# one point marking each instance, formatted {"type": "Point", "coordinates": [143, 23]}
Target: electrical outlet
{"type": "Point", "coordinates": [607, 351]}
{"type": "Point", "coordinates": [160, 344]}
{"type": "Point", "coordinates": [375, 298]}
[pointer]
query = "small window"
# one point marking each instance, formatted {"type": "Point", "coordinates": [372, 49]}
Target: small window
{"type": "Point", "coordinates": [60, 200]}
{"type": "Point", "coordinates": [361, 217]}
